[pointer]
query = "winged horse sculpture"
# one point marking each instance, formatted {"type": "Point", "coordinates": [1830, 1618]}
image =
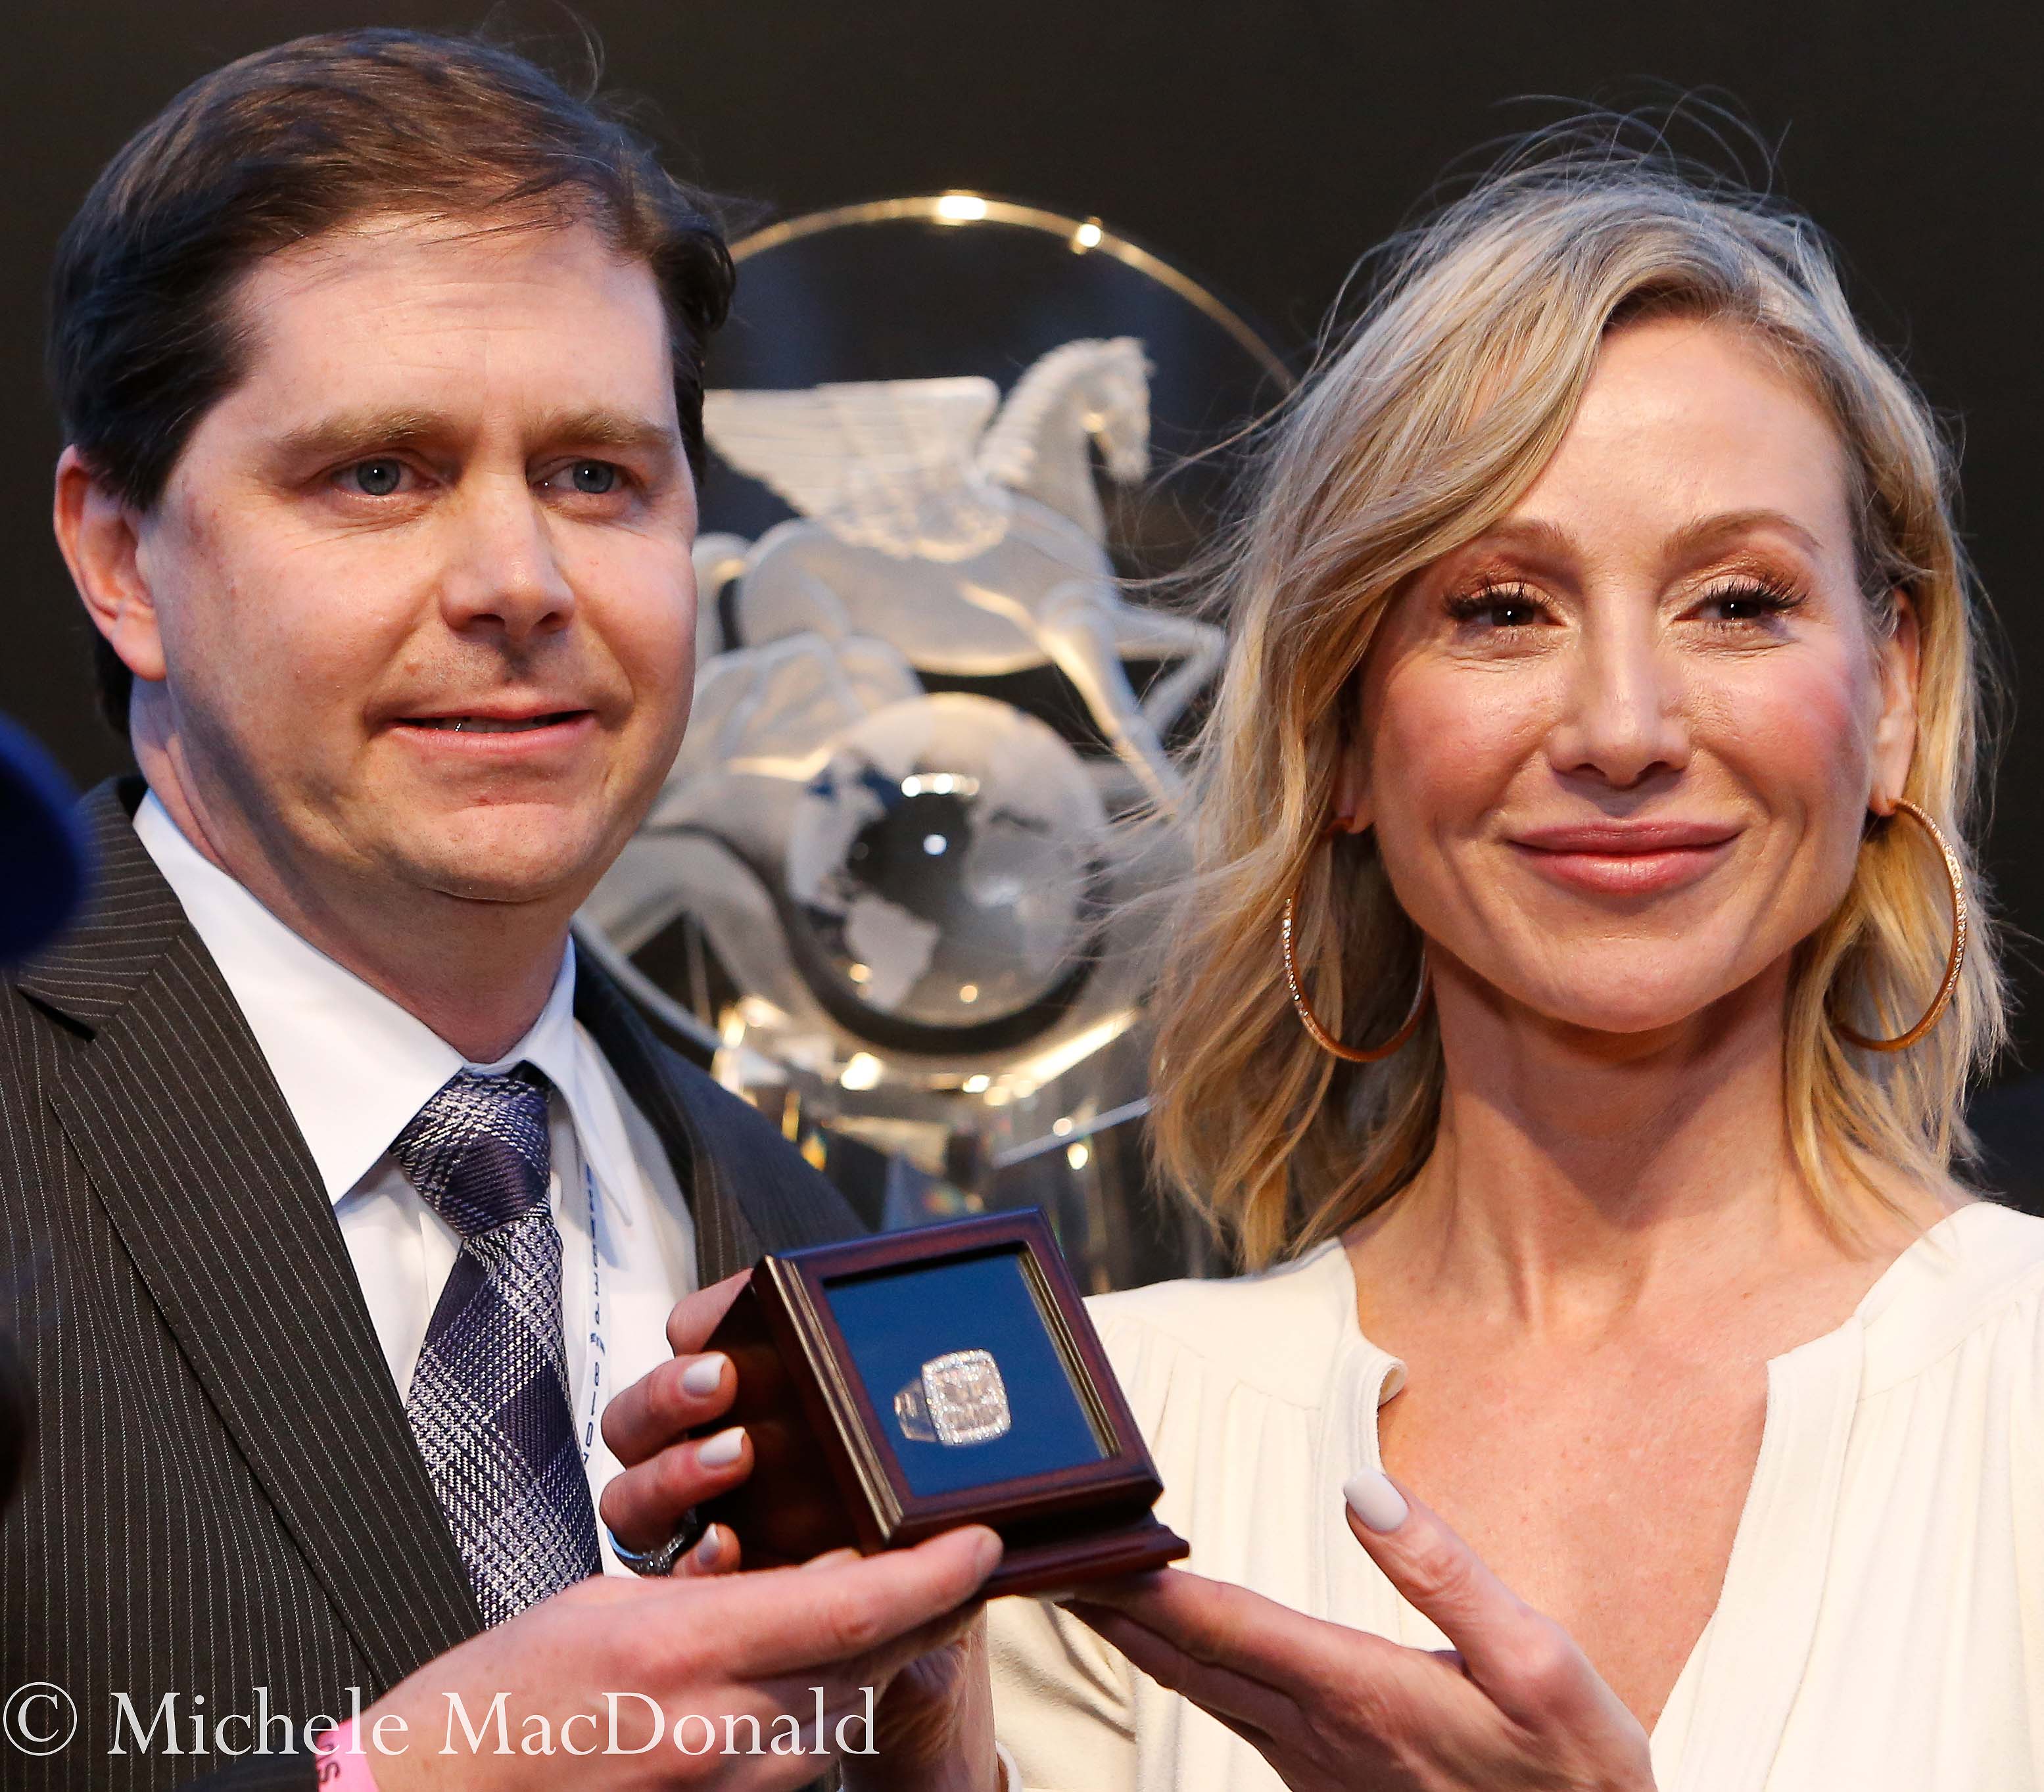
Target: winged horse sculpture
{"type": "Point", "coordinates": [965, 533]}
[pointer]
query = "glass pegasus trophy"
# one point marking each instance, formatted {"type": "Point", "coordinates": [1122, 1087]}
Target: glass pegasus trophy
{"type": "Point", "coordinates": [952, 437]}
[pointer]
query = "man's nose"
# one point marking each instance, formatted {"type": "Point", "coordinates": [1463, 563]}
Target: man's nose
{"type": "Point", "coordinates": [503, 569]}
{"type": "Point", "coordinates": [1625, 714]}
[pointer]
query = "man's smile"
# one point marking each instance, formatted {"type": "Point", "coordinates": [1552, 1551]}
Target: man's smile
{"type": "Point", "coordinates": [493, 724]}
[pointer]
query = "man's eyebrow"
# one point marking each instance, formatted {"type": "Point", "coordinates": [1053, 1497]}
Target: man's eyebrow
{"type": "Point", "coordinates": [346, 433]}
{"type": "Point", "coordinates": [610, 429]}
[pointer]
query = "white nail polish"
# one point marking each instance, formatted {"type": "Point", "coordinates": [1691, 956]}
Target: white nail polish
{"type": "Point", "coordinates": [721, 1451]}
{"type": "Point", "coordinates": [1372, 1499]}
{"type": "Point", "coordinates": [703, 1375]}
{"type": "Point", "coordinates": [711, 1546]}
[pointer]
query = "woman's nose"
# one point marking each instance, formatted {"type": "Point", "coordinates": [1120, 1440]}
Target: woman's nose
{"type": "Point", "coordinates": [503, 570]}
{"type": "Point", "coordinates": [1624, 714]}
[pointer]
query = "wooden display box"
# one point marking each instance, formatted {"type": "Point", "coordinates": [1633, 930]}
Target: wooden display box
{"type": "Point", "coordinates": [896, 1386]}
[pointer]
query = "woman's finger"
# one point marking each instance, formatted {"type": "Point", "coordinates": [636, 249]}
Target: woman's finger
{"type": "Point", "coordinates": [1212, 1621]}
{"type": "Point", "coordinates": [1517, 1655]}
{"type": "Point", "coordinates": [716, 1552]}
{"type": "Point", "coordinates": [830, 1559]}
{"type": "Point", "coordinates": [646, 1506]}
{"type": "Point", "coordinates": [1234, 1698]}
{"type": "Point", "coordinates": [667, 1402]}
{"type": "Point", "coordinates": [696, 1316]}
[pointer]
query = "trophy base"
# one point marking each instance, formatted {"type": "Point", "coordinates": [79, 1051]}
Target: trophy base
{"type": "Point", "coordinates": [1052, 1566]}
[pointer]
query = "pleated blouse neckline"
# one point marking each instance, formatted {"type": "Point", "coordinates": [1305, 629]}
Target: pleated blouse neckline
{"type": "Point", "coordinates": [1734, 1691]}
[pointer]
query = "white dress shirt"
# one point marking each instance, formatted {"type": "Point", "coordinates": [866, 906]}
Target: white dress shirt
{"type": "Point", "coordinates": [353, 1067]}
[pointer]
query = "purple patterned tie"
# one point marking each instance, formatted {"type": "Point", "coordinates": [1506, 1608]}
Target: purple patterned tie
{"type": "Point", "coordinates": [489, 1402]}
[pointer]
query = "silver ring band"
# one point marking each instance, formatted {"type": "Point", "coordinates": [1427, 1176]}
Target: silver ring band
{"type": "Point", "coordinates": [656, 1564]}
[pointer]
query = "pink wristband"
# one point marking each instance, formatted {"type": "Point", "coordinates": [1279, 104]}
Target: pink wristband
{"type": "Point", "coordinates": [342, 1768]}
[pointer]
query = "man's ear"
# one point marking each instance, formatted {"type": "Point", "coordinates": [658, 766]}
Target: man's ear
{"type": "Point", "coordinates": [1900, 663]}
{"type": "Point", "coordinates": [96, 531]}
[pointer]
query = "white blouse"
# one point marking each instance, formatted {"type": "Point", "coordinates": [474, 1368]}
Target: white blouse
{"type": "Point", "coordinates": [1881, 1623]}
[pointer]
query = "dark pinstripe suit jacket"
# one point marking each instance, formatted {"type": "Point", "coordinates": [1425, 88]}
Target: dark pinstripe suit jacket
{"type": "Point", "coordinates": [194, 1329]}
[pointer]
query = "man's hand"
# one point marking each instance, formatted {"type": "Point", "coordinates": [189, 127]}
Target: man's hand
{"type": "Point", "coordinates": [727, 1647]}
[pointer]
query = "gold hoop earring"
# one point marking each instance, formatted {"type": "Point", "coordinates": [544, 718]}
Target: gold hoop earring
{"type": "Point", "coordinates": [1319, 1035]}
{"type": "Point", "coordinates": [1902, 1041]}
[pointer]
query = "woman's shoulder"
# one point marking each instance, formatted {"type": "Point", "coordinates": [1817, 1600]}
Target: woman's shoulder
{"type": "Point", "coordinates": [2001, 1243]}
{"type": "Point", "coordinates": [1279, 1330]}
{"type": "Point", "coordinates": [1973, 1283]}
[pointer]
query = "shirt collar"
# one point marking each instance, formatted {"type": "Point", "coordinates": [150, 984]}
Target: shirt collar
{"type": "Point", "coordinates": [352, 1065]}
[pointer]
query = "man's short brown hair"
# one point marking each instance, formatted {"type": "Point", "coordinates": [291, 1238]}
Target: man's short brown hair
{"type": "Point", "coordinates": [288, 143]}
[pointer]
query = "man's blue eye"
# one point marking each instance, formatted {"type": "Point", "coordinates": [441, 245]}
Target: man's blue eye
{"type": "Point", "coordinates": [376, 479]}
{"type": "Point", "coordinates": [595, 476]}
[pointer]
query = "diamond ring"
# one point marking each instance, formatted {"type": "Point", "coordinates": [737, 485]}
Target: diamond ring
{"type": "Point", "coordinates": [958, 1399]}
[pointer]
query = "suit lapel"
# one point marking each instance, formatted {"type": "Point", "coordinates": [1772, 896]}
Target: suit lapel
{"type": "Point", "coordinates": [207, 1183]}
{"type": "Point", "coordinates": [751, 1191]}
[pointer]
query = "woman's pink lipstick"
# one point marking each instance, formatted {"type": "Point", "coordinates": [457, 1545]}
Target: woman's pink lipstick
{"type": "Point", "coordinates": [1625, 858]}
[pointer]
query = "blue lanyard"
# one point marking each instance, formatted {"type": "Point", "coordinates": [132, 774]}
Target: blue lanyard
{"type": "Point", "coordinates": [594, 1375]}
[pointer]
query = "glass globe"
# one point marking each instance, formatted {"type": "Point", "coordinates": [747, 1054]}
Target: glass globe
{"type": "Point", "coordinates": [941, 861]}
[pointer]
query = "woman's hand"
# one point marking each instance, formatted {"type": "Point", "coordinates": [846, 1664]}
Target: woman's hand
{"type": "Point", "coordinates": [1516, 1704]}
{"type": "Point", "coordinates": [934, 1724]}
{"type": "Point", "coordinates": [667, 1472]}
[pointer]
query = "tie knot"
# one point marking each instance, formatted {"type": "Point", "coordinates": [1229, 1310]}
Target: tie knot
{"type": "Point", "coordinates": [479, 1152]}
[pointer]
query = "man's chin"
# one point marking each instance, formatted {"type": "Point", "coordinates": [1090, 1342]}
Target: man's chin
{"type": "Point", "coordinates": [508, 891]}
{"type": "Point", "coordinates": [517, 869]}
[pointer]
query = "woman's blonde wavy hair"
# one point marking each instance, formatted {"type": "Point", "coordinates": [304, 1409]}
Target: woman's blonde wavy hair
{"type": "Point", "coordinates": [1421, 428]}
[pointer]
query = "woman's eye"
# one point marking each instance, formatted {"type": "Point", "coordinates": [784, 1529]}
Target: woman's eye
{"type": "Point", "coordinates": [1496, 609]}
{"type": "Point", "coordinates": [374, 478]}
{"type": "Point", "coordinates": [1747, 603]}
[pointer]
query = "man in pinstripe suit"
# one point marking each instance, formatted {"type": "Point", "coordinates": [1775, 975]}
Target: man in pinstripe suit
{"type": "Point", "coordinates": [350, 1195]}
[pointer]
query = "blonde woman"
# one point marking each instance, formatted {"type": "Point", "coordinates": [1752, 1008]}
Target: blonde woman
{"type": "Point", "coordinates": [1568, 1019]}
{"type": "Point", "coordinates": [1574, 1004]}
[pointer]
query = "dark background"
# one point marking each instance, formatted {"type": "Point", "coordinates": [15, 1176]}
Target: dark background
{"type": "Point", "coordinates": [1263, 146]}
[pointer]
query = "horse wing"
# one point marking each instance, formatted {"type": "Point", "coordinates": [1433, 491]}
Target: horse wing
{"type": "Point", "coordinates": [886, 464]}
